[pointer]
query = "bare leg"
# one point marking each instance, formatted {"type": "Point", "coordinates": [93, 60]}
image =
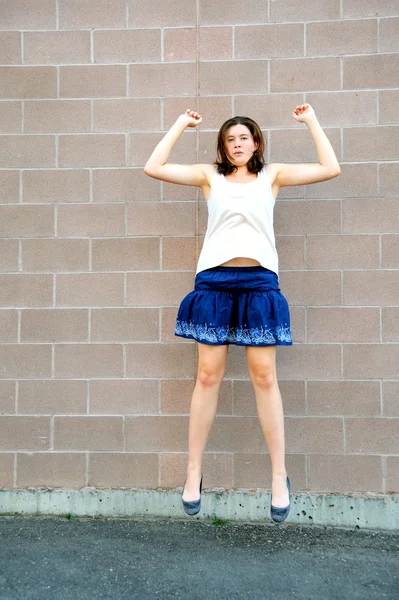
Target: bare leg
{"type": "Point", "coordinates": [269, 405]}
{"type": "Point", "coordinates": [211, 368]}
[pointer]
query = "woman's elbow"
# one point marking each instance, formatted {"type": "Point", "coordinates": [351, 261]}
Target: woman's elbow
{"type": "Point", "coordinates": [148, 171]}
{"type": "Point", "coordinates": [336, 172]}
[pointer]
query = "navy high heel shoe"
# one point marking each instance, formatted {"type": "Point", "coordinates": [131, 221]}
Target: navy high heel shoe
{"type": "Point", "coordinates": [192, 507]}
{"type": "Point", "coordinates": [280, 514]}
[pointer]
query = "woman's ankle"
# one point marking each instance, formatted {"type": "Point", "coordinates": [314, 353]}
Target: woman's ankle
{"type": "Point", "coordinates": [279, 475]}
{"type": "Point", "coordinates": [194, 468]}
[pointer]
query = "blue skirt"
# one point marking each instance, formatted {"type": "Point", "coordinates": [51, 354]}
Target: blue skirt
{"type": "Point", "coordinates": [235, 305]}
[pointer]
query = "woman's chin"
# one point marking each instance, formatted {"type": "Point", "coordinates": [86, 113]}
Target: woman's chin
{"type": "Point", "coordinates": [239, 161]}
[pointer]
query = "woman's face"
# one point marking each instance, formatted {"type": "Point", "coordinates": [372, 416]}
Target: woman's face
{"type": "Point", "coordinates": [239, 144]}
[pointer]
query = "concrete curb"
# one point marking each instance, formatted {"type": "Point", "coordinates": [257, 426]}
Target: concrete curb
{"type": "Point", "coordinates": [363, 511]}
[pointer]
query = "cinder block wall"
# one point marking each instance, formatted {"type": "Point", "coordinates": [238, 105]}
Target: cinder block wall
{"type": "Point", "coordinates": [95, 256]}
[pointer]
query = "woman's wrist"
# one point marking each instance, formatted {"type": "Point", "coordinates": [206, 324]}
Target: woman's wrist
{"type": "Point", "coordinates": [182, 120]}
{"type": "Point", "coordinates": [313, 121]}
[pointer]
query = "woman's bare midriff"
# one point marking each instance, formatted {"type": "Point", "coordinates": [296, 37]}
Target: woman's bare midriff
{"type": "Point", "coordinates": [241, 262]}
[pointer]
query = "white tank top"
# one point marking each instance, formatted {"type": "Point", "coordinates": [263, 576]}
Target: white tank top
{"type": "Point", "coordinates": [240, 223]}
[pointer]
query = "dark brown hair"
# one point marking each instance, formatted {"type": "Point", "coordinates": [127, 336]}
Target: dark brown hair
{"type": "Point", "coordinates": [256, 163]}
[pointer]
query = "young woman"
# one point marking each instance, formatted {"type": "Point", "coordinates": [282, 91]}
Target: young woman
{"type": "Point", "coordinates": [237, 299]}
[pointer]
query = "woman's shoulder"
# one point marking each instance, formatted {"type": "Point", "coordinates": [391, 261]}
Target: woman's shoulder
{"type": "Point", "coordinates": [209, 171]}
{"type": "Point", "coordinates": [271, 172]}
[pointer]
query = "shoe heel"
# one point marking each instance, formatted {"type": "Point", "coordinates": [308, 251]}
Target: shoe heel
{"type": "Point", "coordinates": [192, 507]}
{"type": "Point", "coordinates": [280, 514]}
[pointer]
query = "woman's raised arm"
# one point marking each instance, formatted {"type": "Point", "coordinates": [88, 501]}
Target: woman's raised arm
{"type": "Point", "coordinates": [302, 174]}
{"type": "Point", "coordinates": [157, 165]}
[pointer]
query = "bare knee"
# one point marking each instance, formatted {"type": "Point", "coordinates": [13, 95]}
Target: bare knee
{"type": "Point", "coordinates": [211, 365]}
{"type": "Point", "coordinates": [264, 377]}
{"type": "Point", "coordinates": [209, 376]}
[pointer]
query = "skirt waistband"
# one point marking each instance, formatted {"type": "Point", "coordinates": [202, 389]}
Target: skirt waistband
{"type": "Point", "coordinates": [242, 269]}
{"type": "Point", "coordinates": [237, 279]}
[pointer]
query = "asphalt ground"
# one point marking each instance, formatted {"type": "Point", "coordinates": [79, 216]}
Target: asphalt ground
{"type": "Point", "coordinates": [90, 558]}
